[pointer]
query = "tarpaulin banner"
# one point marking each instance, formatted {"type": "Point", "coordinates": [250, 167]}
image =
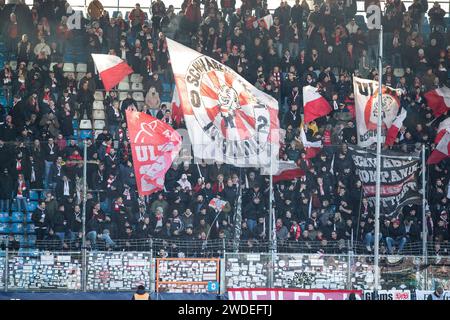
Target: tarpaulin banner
{"type": "Point", "coordinates": [388, 295]}
{"type": "Point", "coordinates": [289, 294]}
{"type": "Point", "coordinates": [154, 146]}
{"type": "Point", "coordinates": [366, 105]}
{"type": "Point", "coordinates": [398, 178]}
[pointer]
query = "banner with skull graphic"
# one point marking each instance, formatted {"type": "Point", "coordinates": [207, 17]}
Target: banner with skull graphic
{"type": "Point", "coordinates": [154, 146]}
{"type": "Point", "coordinates": [227, 118]}
{"type": "Point", "coordinates": [366, 105]}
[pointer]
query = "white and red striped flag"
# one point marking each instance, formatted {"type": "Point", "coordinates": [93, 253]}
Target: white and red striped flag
{"type": "Point", "coordinates": [442, 150]}
{"type": "Point", "coordinates": [438, 100]}
{"type": "Point", "coordinates": [314, 104]}
{"type": "Point", "coordinates": [111, 69]}
{"type": "Point", "coordinates": [444, 126]}
{"type": "Point", "coordinates": [395, 128]}
{"type": "Point", "coordinates": [177, 113]}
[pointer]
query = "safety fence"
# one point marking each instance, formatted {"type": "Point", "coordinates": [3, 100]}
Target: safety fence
{"type": "Point", "coordinates": [112, 271]}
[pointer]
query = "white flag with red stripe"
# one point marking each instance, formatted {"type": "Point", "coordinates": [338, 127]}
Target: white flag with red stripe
{"type": "Point", "coordinates": [177, 113]}
{"type": "Point", "coordinates": [438, 100]}
{"type": "Point", "coordinates": [395, 128]}
{"type": "Point", "coordinates": [111, 69]}
{"type": "Point", "coordinates": [314, 105]}
{"type": "Point", "coordinates": [444, 126]}
{"type": "Point", "coordinates": [266, 22]}
{"type": "Point", "coordinates": [442, 150]}
{"type": "Point", "coordinates": [227, 118]}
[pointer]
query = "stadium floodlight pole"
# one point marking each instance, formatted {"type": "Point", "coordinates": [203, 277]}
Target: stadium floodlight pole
{"type": "Point", "coordinates": [83, 241]}
{"type": "Point", "coordinates": [378, 171]}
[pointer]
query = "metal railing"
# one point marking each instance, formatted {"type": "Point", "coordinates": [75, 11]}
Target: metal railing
{"type": "Point", "coordinates": [52, 269]}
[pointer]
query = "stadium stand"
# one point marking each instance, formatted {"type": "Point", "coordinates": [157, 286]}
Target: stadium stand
{"type": "Point", "coordinates": [42, 132]}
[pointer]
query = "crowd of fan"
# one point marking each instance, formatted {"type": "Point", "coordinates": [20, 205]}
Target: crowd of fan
{"type": "Point", "coordinates": [320, 45]}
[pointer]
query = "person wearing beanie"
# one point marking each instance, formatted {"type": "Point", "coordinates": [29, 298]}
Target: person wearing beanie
{"type": "Point", "coordinates": [141, 294]}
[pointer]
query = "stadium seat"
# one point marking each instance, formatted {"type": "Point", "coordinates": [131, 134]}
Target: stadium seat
{"type": "Point", "coordinates": [81, 67]}
{"type": "Point", "coordinates": [34, 195]}
{"type": "Point", "coordinates": [116, 14]}
{"type": "Point", "coordinates": [98, 95]}
{"type": "Point", "coordinates": [69, 67]}
{"type": "Point", "coordinates": [125, 79]}
{"type": "Point", "coordinates": [75, 124]}
{"type": "Point", "coordinates": [97, 132]}
{"type": "Point", "coordinates": [80, 75]}
{"type": "Point", "coordinates": [99, 124]}
{"type": "Point", "coordinates": [32, 205]}
{"type": "Point", "coordinates": [52, 65]}
{"type": "Point", "coordinates": [123, 86]}
{"type": "Point", "coordinates": [17, 217]}
{"type": "Point", "coordinates": [137, 86]}
{"type": "Point", "coordinates": [29, 214]}
{"type": "Point", "coordinates": [136, 78]}
{"type": "Point", "coordinates": [14, 205]}
{"type": "Point", "coordinates": [126, 17]}
{"type": "Point", "coordinates": [5, 228]}
{"type": "Point", "coordinates": [85, 124]}
{"type": "Point", "coordinates": [98, 115]}
{"type": "Point", "coordinates": [13, 65]}
{"type": "Point", "coordinates": [138, 96]}
{"type": "Point", "coordinates": [98, 105]}
{"type": "Point", "coordinates": [122, 95]}
{"type": "Point", "coordinates": [4, 217]}
{"type": "Point", "coordinates": [30, 228]}
{"type": "Point", "coordinates": [85, 134]}
{"type": "Point", "coordinates": [399, 72]}
{"type": "Point", "coordinates": [17, 228]}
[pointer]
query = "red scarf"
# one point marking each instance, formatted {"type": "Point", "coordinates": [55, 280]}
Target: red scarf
{"type": "Point", "coordinates": [22, 188]}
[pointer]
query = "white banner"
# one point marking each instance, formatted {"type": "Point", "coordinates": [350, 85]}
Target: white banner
{"type": "Point", "coordinates": [423, 294]}
{"type": "Point", "coordinates": [366, 105]}
{"type": "Point", "coordinates": [227, 118]}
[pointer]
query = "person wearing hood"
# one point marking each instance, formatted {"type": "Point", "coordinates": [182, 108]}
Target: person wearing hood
{"type": "Point", "coordinates": [184, 182]}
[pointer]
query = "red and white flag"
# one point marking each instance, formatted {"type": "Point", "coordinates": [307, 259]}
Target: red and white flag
{"type": "Point", "coordinates": [177, 113]}
{"type": "Point", "coordinates": [227, 118]}
{"type": "Point", "coordinates": [395, 128]}
{"type": "Point", "coordinates": [442, 150]}
{"type": "Point", "coordinates": [314, 104]}
{"type": "Point", "coordinates": [312, 148]}
{"type": "Point", "coordinates": [154, 146]}
{"type": "Point", "coordinates": [266, 22]}
{"type": "Point", "coordinates": [438, 100]}
{"type": "Point", "coordinates": [111, 69]}
{"type": "Point", "coordinates": [286, 170]}
{"type": "Point", "coordinates": [444, 126]}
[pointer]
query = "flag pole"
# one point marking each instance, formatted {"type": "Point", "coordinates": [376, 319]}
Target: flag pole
{"type": "Point", "coordinates": [424, 205]}
{"type": "Point", "coordinates": [378, 171]}
{"type": "Point", "coordinates": [83, 218]}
